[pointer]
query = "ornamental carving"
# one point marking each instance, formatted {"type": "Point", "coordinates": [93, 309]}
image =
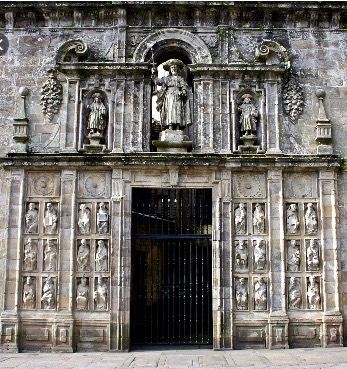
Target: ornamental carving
{"type": "Point", "coordinates": [44, 184]}
{"type": "Point", "coordinates": [293, 97]}
{"type": "Point", "coordinates": [294, 293]}
{"type": "Point", "coordinates": [300, 185]}
{"type": "Point", "coordinates": [249, 185]}
{"type": "Point", "coordinates": [51, 95]}
{"type": "Point", "coordinates": [29, 294]}
{"type": "Point", "coordinates": [313, 293]}
{"type": "Point", "coordinates": [93, 185]}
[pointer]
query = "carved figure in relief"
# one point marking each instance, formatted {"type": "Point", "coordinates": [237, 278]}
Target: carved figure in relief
{"type": "Point", "coordinates": [101, 259]}
{"type": "Point", "coordinates": [292, 219]}
{"type": "Point", "coordinates": [83, 255]}
{"type": "Point", "coordinates": [100, 295]}
{"type": "Point", "coordinates": [50, 257]}
{"type": "Point", "coordinates": [102, 218]}
{"type": "Point", "coordinates": [240, 219]}
{"type": "Point", "coordinates": [82, 294]}
{"type": "Point", "coordinates": [84, 219]}
{"type": "Point", "coordinates": [293, 264]}
{"type": "Point", "coordinates": [47, 298]}
{"type": "Point", "coordinates": [96, 115]}
{"type": "Point", "coordinates": [31, 219]}
{"type": "Point", "coordinates": [294, 293]}
{"type": "Point", "coordinates": [249, 114]}
{"type": "Point", "coordinates": [241, 294]}
{"type": "Point", "coordinates": [311, 222]}
{"type": "Point", "coordinates": [241, 254]}
{"type": "Point", "coordinates": [173, 100]}
{"type": "Point", "coordinates": [258, 219]}
{"type": "Point", "coordinates": [313, 294]}
{"type": "Point", "coordinates": [51, 219]}
{"type": "Point", "coordinates": [29, 294]}
{"type": "Point", "coordinates": [312, 255]}
{"type": "Point", "coordinates": [260, 294]}
{"type": "Point", "coordinates": [30, 255]}
{"type": "Point", "coordinates": [259, 255]}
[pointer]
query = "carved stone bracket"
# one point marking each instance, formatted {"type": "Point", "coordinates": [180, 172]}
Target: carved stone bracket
{"type": "Point", "coordinates": [51, 95]}
{"type": "Point", "coordinates": [266, 48]}
{"type": "Point", "coordinates": [323, 127]}
{"type": "Point", "coordinates": [293, 97]}
{"type": "Point", "coordinates": [72, 51]}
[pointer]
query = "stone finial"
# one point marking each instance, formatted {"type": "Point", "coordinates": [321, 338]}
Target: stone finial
{"type": "Point", "coordinates": [20, 123]}
{"type": "Point", "coordinates": [323, 127]}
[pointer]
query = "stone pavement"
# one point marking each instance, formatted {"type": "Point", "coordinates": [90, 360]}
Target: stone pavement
{"type": "Point", "coordinates": [181, 358]}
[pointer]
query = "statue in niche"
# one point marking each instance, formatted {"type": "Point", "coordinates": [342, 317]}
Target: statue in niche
{"type": "Point", "coordinates": [47, 298]}
{"type": "Point", "coordinates": [249, 114]}
{"type": "Point", "coordinates": [294, 293]}
{"type": "Point", "coordinates": [50, 257]}
{"type": "Point", "coordinates": [240, 219]}
{"type": "Point", "coordinates": [292, 219]}
{"type": "Point", "coordinates": [29, 294]}
{"type": "Point", "coordinates": [82, 294]}
{"type": "Point", "coordinates": [293, 264]}
{"type": "Point", "coordinates": [101, 257]}
{"type": "Point", "coordinates": [260, 294]}
{"type": "Point", "coordinates": [312, 255]}
{"type": "Point", "coordinates": [100, 295]}
{"type": "Point", "coordinates": [258, 219]}
{"type": "Point", "coordinates": [30, 255]}
{"type": "Point", "coordinates": [96, 116]}
{"type": "Point", "coordinates": [84, 219]}
{"type": "Point", "coordinates": [259, 253]}
{"type": "Point", "coordinates": [51, 219]}
{"type": "Point", "coordinates": [241, 294]}
{"type": "Point", "coordinates": [83, 255]}
{"type": "Point", "coordinates": [311, 221]}
{"type": "Point", "coordinates": [241, 254]}
{"type": "Point", "coordinates": [173, 102]}
{"type": "Point", "coordinates": [102, 218]}
{"type": "Point", "coordinates": [31, 219]}
{"type": "Point", "coordinates": [313, 295]}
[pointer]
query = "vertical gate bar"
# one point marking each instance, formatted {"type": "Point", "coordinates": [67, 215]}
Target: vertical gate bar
{"type": "Point", "coordinates": [190, 291]}
{"type": "Point", "coordinates": [184, 290]}
{"type": "Point", "coordinates": [202, 247]}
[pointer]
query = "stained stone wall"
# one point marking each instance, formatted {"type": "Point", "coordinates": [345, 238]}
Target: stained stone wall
{"type": "Point", "coordinates": [66, 278]}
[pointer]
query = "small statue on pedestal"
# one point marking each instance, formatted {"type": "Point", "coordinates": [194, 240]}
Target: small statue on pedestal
{"type": "Point", "coordinates": [249, 113]}
{"type": "Point", "coordinates": [97, 116]}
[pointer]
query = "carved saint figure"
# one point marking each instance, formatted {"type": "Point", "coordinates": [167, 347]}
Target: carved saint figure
{"type": "Point", "coordinates": [96, 115]}
{"type": "Point", "coordinates": [100, 295]}
{"type": "Point", "coordinates": [240, 219]}
{"type": "Point", "coordinates": [258, 219]}
{"type": "Point", "coordinates": [312, 255]}
{"type": "Point", "coordinates": [30, 255]}
{"type": "Point", "coordinates": [173, 101]}
{"type": "Point", "coordinates": [102, 218]}
{"type": "Point", "coordinates": [249, 114]}
{"type": "Point", "coordinates": [82, 294]}
{"type": "Point", "coordinates": [47, 298]}
{"type": "Point", "coordinates": [51, 219]}
{"type": "Point", "coordinates": [241, 254]}
{"type": "Point", "coordinates": [260, 294]}
{"type": "Point", "coordinates": [101, 259]}
{"type": "Point", "coordinates": [50, 257]}
{"type": "Point", "coordinates": [293, 264]}
{"type": "Point", "coordinates": [294, 293]}
{"type": "Point", "coordinates": [29, 294]}
{"type": "Point", "coordinates": [311, 222]}
{"type": "Point", "coordinates": [313, 295]}
{"type": "Point", "coordinates": [31, 219]}
{"type": "Point", "coordinates": [241, 294]}
{"type": "Point", "coordinates": [259, 253]}
{"type": "Point", "coordinates": [292, 219]}
{"type": "Point", "coordinates": [84, 219]}
{"type": "Point", "coordinates": [83, 255]}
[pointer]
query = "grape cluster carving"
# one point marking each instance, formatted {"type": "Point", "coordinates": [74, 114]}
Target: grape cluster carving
{"type": "Point", "coordinates": [51, 95]}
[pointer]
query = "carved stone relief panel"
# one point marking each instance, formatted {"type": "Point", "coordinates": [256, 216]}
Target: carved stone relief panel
{"type": "Point", "coordinates": [240, 219]}
{"type": "Point", "coordinates": [249, 185]}
{"type": "Point", "coordinates": [260, 293]}
{"type": "Point", "coordinates": [43, 184]}
{"type": "Point", "coordinates": [311, 219]}
{"type": "Point", "coordinates": [300, 185]}
{"type": "Point", "coordinates": [94, 184]}
{"type": "Point", "coordinates": [313, 292]}
{"type": "Point", "coordinates": [29, 293]}
{"type": "Point", "coordinates": [51, 217]}
{"type": "Point", "coordinates": [82, 293]}
{"type": "Point", "coordinates": [101, 293]}
{"type": "Point", "coordinates": [84, 218]}
{"type": "Point", "coordinates": [83, 255]}
{"type": "Point", "coordinates": [259, 255]}
{"type": "Point", "coordinates": [241, 293]}
{"type": "Point", "coordinates": [30, 253]}
{"type": "Point", "coordinates": [259, 218]}
{"type": "Point", "coordinates": [102, 218]}
{"type": "Point", "coordinates": [312, 255]}
{"type": "Point", "coordinates": [32, 218]}
{"type": "Point", "coordinates": [101, 256]}
{"type": "Point", "coordinates": [292, 218]}
{"type": "Point", "coordinates": [241, 255]}
{"type": "Point", "coordinates": [293, 256]}
{"type": "Point", "coordinates": [294, 293]}
{"type": "Point", "coordinates": [48, 296]}
{"type": "Point", "coordinates": [50, 255]}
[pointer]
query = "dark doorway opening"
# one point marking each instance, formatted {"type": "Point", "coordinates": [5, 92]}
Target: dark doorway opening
{"type": "Point", "coordinates": [171, 294]}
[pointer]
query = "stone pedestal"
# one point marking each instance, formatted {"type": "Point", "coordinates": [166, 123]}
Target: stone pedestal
{"type": "Point", "coordinates": [94, 147]}
{"type": "Point", "coordinates": [172, 141]}
{"type": "Point", "coordinates": [248, 147]}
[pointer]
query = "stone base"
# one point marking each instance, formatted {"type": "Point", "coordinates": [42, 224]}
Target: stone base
{"type": "Point", "coordinates": [324, 150]}
{"type": "Point", "coordinates": [172, 141]}
{"type": "Point", "coordinates": [94, 149]}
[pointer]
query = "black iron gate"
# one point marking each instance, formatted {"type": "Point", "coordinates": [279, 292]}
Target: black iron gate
{"type": "Point", "coordinates": [171, 295]}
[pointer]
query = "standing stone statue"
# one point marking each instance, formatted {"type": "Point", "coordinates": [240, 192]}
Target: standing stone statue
{"type": "Point", "coordinates": [292, 219]}
{"type": "Point", "coordinates": [100, 295]}
{"type": "Point", "coordinates": [82, 294]}
{"type": "Point", "coordinates": [51, 219]}
{"type": "Point", "coordinates": [241, 294]}
{"type": "Point", "coordinates": [83, 255]}
{"type": "Point", "coordinates": [313, 294]}
{"type": "Point", "coordinates": [50, 257]}
{"type": "Point", "coordinates": [84, 219]}
{"type": "Point", "coordinates": [30, 255]}
{"type": "Point", "coordinates": [311, 222]}
{"type": "Point", "coordinates": [258, 219]}
{"type": "Point", "coordinates": [240, 219]}
{"type": "Point", "coordinates": [96, 115]}
{"type": "Point", "coordinates": [31, 219]}
{"type": "Point", "coordinates": [259, 253]}
{"type": "Point", "coordinates": [47, 298]}
{"type": "Point", "coordinates": [241, 254]}
{"type": "Point", "coordinates": [29, 294]}
{"type": "Point", "coordinates": [294, 293]}
{"type": "Point", "coordinates": [312, 255]}
{"type": "Point", "coordinates": [260, 294]}
{"type": "Point", "coordinates": [102, 218]}
{"type": "Point", "coordinates": [173, 102]}
{"type": "Point", "coordinates": [101, 257]}
{"type": "Point", "coordinates": [249, 114]}
{"type": "Point", "coordinates": [293, 263]}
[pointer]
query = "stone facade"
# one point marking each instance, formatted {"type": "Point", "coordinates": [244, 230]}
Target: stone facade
{"type": "Point", "coordinates": [266, 83]}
